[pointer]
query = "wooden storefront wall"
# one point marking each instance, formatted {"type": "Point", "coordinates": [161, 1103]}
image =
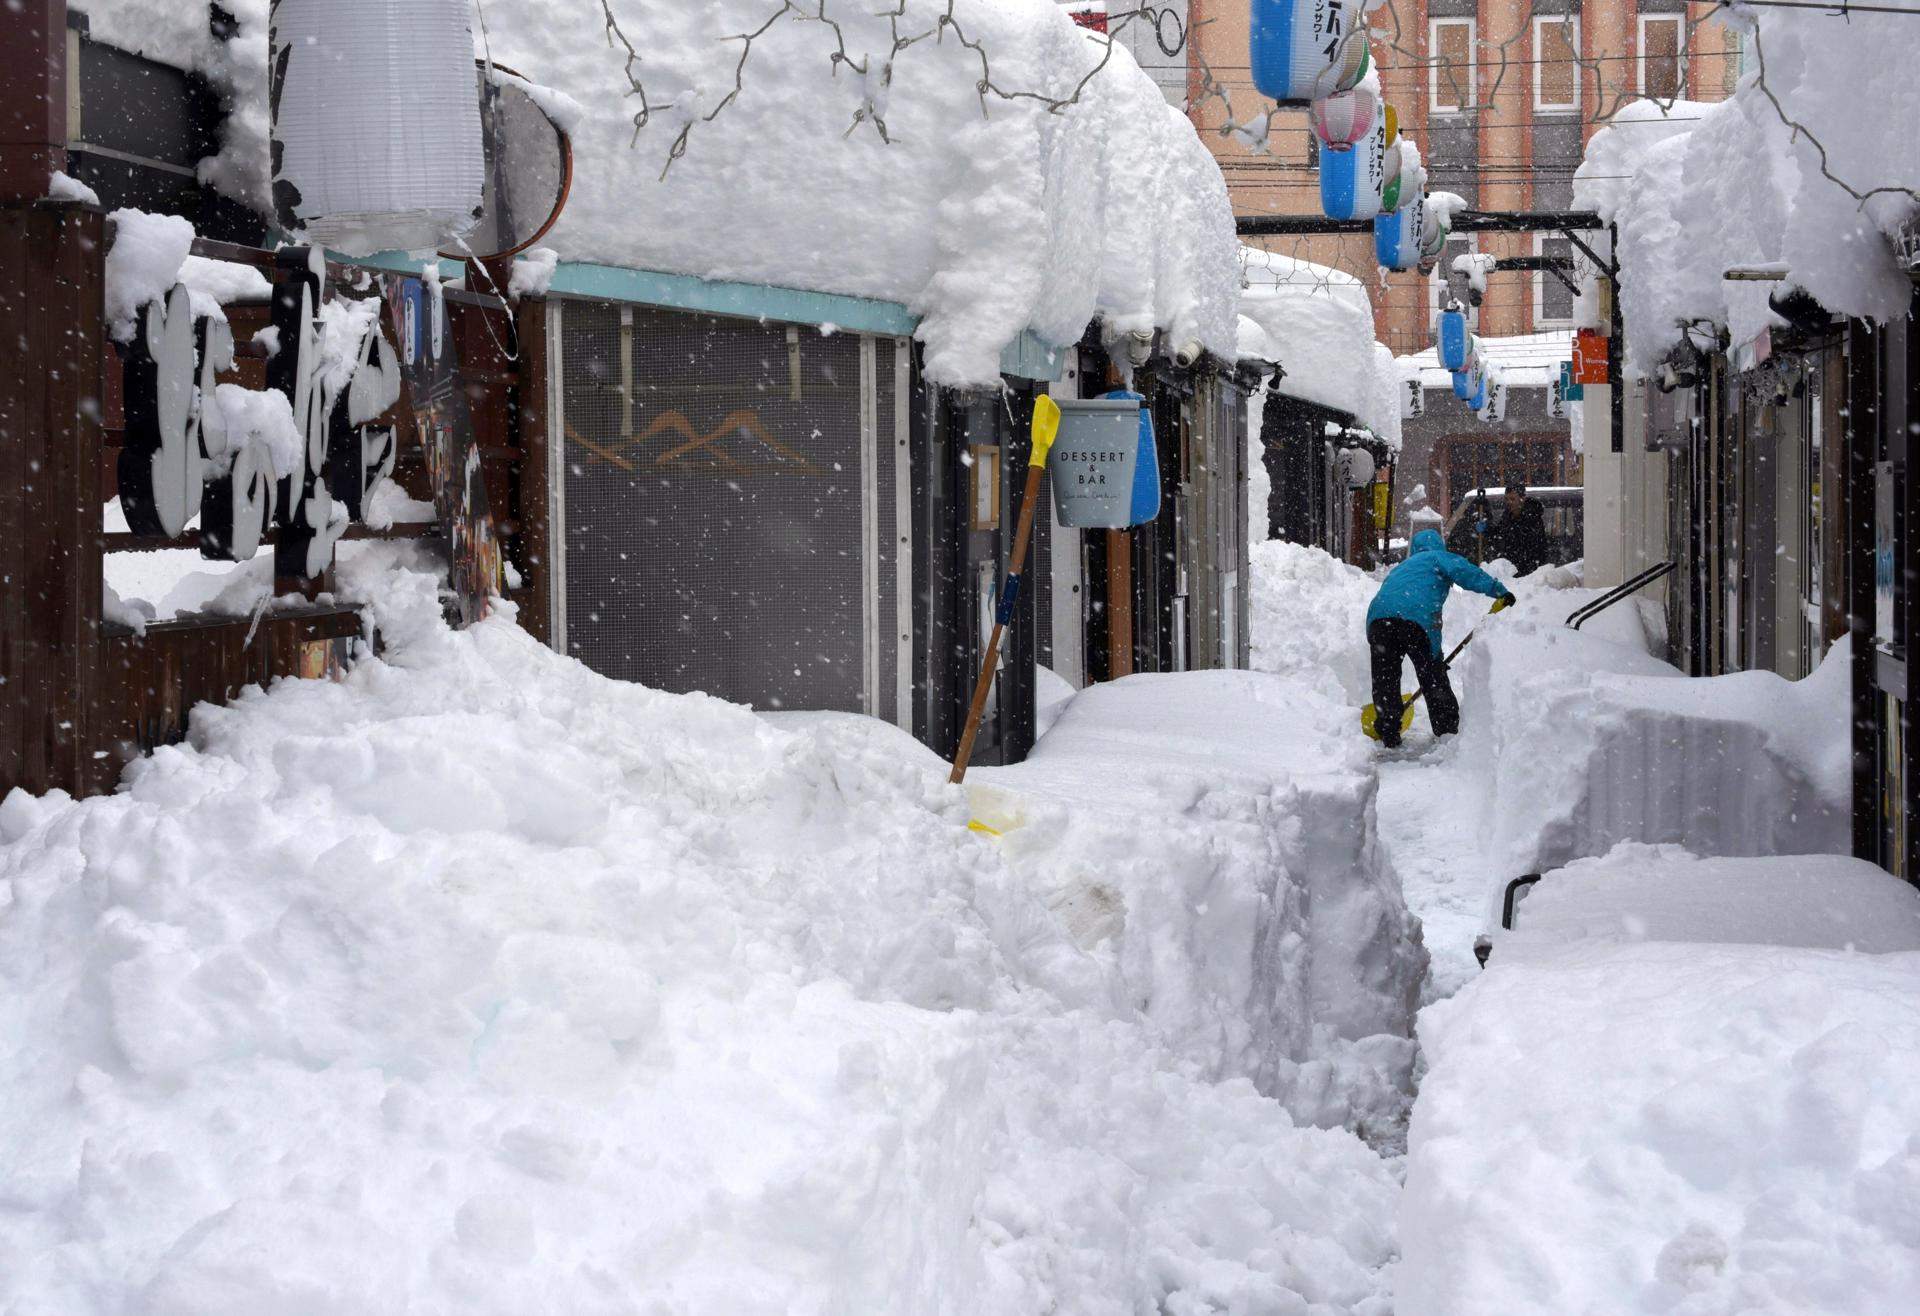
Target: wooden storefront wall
{"type": "Point", "coordinates": [80, 696]}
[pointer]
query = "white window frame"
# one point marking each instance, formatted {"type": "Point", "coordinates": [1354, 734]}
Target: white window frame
{"type": "Point", "coordinates": [1434, 103]}
{"type": "Point", "coordinates": [1540, 21]}
{"type": "Point", "coordinates": [1680, 79]}
{"type": "Point", "coordinates": [1541, 320]}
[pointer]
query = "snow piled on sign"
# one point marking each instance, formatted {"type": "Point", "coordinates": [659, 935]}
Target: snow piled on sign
{"type": "Point", "coordinates": [1710, 187]}
{"type": "Point", "coordinates": [180, 34]}
{"type": "Point", "coordinates": [477, 982]}
{"type": "Point", "coordinates": [1655, 1125]}
{"type": "Point", "coordinates": [1319, 322]}
{"type": "Point", "coordinates": [985, 218]}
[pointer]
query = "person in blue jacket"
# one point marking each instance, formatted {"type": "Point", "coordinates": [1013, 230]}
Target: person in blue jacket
{"type": "Point", "coordinates": [1404, 622]}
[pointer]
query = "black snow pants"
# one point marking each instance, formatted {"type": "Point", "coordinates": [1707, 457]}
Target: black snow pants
{"type": "Point", "coordinates": [1394, 638]}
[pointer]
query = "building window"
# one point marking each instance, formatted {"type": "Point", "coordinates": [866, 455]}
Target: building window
{"type": "Point", "coordinates": [1552, 299]}
{"type": "Point", "coordinates": [1451, 60]}
{"type": "Point", "coordinates": [1556, 67]}
{"type": "Point", "coordinates": [1663, 56]}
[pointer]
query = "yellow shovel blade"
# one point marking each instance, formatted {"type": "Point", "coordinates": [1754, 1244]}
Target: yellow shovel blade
{"type": "Point", "coordinates": [1370, 719]}
{"type": "Point", "coordinates": [1046, 427]}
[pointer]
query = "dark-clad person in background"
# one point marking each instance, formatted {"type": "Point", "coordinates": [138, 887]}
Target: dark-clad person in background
{"type": "Point", "coordinates": [1519, 532]}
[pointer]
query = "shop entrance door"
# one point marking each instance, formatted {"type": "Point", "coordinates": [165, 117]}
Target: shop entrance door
{"type": "Point", "coordinates": [727, 506]}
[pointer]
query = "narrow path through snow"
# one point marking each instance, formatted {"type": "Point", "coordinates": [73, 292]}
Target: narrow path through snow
{"type": "Point", "coordinates": [1429, 813]}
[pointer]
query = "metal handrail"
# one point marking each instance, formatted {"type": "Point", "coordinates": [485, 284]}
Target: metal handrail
{"type": "Point", "coordinates": [1483, 945]}
{"type": "Point", "coordinates": [1579, 616]}
{"type": "Point", "coordinates": [1511, 897]}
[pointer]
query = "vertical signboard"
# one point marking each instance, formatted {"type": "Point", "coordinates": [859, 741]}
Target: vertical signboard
{"type": "Point", "coordinates": [443, 426]}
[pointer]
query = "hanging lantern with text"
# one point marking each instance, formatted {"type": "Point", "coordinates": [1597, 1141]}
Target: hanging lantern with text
{"type": "Point", "coordinates": [1396, 236]}
{"type": "Point", "coordinates": [1454, 340]}
{"type": "Point", "coordinates": [1307, 50]}
{"type": "Point", "coordinates": [1352, 183]}
{"type": "Point", "coordinates": [1493, 403]}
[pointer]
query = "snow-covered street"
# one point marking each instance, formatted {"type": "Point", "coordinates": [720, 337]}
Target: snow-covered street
{"type": "Point", "coordinates": [759, 658]}
{"type": "Point", "coordinates": [315, 971]}
{"type": "Point", "coordinates": [479, 982]}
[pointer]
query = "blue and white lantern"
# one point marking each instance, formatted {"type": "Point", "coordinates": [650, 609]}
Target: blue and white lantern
{"type": "Point", "coordinates": [1307, 50]}
{"type": "Point", "coordinates": [1476, 382]}
{"type": "Point", "coordinates": [1456, 342]}
{"type": "Point", "coordinates": [1462, 386]}
{"type": "Point", "coordinates": [1396, 237]}
{"type": "Point", "coordinates": [1352, 182]}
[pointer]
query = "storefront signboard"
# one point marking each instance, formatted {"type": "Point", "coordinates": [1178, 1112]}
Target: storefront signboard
{"type": "Point", "coordinates": [1104, 468]}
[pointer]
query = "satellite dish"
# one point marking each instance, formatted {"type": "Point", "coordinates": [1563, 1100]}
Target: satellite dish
{"type": "Point", "coordinates": [529, 168]}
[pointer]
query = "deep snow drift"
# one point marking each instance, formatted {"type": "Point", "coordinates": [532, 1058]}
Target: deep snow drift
{"type": "Point", "coordinates": [1570, 742]}
{"type": "Point", "coordinates": [1648, 1110]}
{"type": "Point", "coordinates": [1587, 742]}
{"type": "Point", "coordinates": [476, 982]}
{"type": "Point", "coordinates": [1639, 892]}
{"type": "Point", "coordinates": [1213, 833]}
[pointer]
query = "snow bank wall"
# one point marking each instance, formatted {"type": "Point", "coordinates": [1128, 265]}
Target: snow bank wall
{"type": "Point", "coordinates": [1309, 619]}
{"type": "Point", "coordinates": [1588, 742]}
{"type": "Point", "coordinates": [1213, 833]}
{"type": "Point", "coordinates": [1668, 1127]}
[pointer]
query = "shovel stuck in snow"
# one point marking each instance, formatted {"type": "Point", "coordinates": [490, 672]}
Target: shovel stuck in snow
{"type": "Point", "coordinates": [1370, 716]}
{"type": "Point", "coordinates": [1046, 425]}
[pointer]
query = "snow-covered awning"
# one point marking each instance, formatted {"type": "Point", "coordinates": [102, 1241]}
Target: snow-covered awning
{"type": "Point", "coordinates": [1522, 360]}
{"type": "Point", "coordinates": [1069, 192]}
{"type": "Point", "coordinates": [1699, 189]}
{"type": "Point", "coordinates": [1319, 322]}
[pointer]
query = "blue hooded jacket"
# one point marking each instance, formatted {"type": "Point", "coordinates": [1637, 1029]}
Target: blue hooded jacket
{"type": "Point", "coordinates": [1417, 589]}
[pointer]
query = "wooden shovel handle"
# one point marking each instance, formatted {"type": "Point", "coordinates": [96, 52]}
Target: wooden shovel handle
{"type": "Point", "coordinates": [1023, 532]}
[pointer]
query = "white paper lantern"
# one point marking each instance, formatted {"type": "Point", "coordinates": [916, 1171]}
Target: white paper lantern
{"type": "Point", "coordinates": [376, 123]}
{"type": "Point", "coordinates": [1493, 408]}
{"type": "Point", "coordinates": [1307, 50]}
{"type": "Point", "coordinates": [1340, 121]}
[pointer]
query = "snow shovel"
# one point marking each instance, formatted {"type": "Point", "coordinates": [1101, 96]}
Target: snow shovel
{"type": "Point", "coordinates": [1370, 716]}
{"type": "Point", "coordinates": [1046, 424]}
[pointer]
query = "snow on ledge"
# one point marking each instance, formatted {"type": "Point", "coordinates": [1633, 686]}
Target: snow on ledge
{"type": "Point", "coordinates": [1699, 189]}
{"type": "Point", "coordinates": [1318, 322]}
{"type": "Point", "coordinates": [983, 221]}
